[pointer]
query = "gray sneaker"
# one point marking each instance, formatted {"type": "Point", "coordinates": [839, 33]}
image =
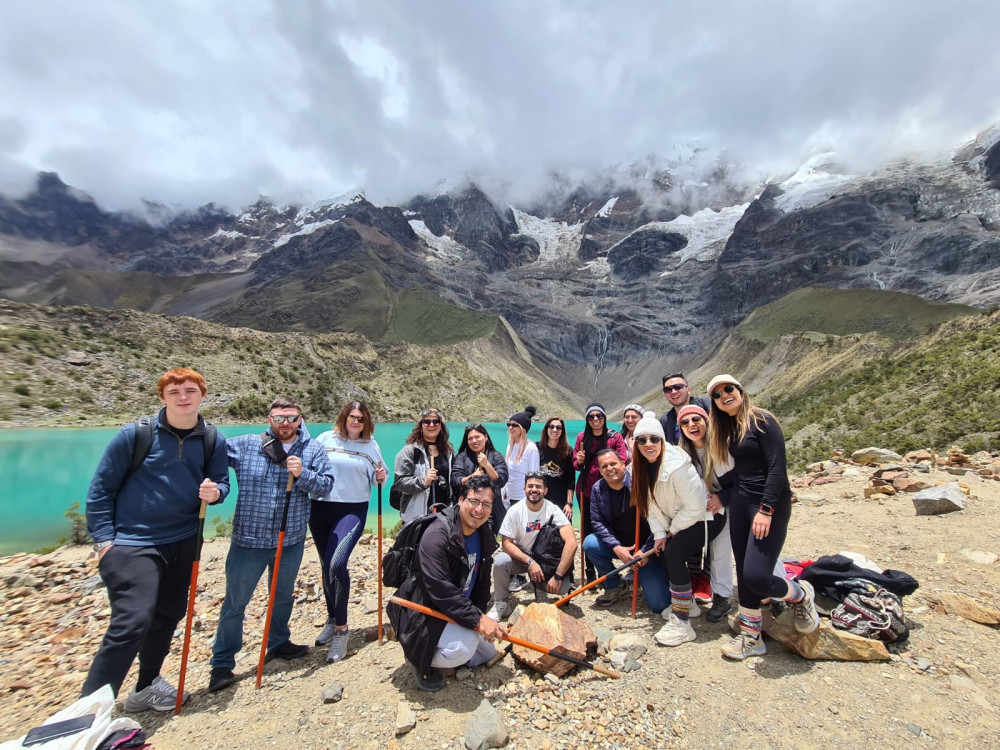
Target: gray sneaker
{"type": "Point", "coordinates": [338, 646]}
{"type": "Point", "coordinates": [610, 596]}
{"type": "Point", "coordinates": [518, 582]}
{"type": "Point", "coordinates": [326, 634]}
{"type": "Point", "coordinates": [160, 696]}
{"type": "Point", "coordinates": [804, 615]}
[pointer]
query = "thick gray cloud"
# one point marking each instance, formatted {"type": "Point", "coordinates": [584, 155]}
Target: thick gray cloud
{"type": "Point", "coordinates": [185, 102]}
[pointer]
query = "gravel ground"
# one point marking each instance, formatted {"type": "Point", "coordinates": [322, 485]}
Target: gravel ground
{"type": "Point", "coordinates": [939, 688]}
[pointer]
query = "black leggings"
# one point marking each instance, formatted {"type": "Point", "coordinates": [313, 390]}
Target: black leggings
{"type": "Point", "coordinates": [755, 558]}
{"type": "Point", "coordinates": [686, 544]}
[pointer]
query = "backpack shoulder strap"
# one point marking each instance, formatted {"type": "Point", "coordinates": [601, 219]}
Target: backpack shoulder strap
{"type": "Point", "coordinates": [211, 436]}
{"type": "Point", "coordinates": [142, 445]}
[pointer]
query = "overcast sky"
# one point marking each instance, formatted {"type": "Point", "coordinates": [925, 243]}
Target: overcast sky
{"type": "Point", "coordinates": [190, 101]}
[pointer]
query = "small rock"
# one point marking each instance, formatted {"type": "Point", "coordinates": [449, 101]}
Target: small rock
{"type": "Point", "coordinates": [463, 673]}
{"type": "Point", "coordinates": [986, 558]}
{"type": "Point", "coordinates": [915, 729]}
{"type": "Point", "coordinates": [553, 679]}
{"type": "Point", "coordinates": [333, 693]}
{"type": "Point", "coordinates": [366, 539]}
{"type": "Point", "coordinates": [874, 456]}
{"type": "Point", "coordinates": [937, 500]}
{"type": "Point", "coordinates": [77, 358]}
{"type": "Point", "coordinates": [485, 729]}
{"type": "Point", "coordinates": [406, 718]}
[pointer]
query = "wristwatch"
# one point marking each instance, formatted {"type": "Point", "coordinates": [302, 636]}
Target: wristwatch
{"type": "Point", "coordinates": [103, 545]}
{"type": "Point", "coordinates": [766, 509]}
{"type": "Point", "coordinates": [558, 576]}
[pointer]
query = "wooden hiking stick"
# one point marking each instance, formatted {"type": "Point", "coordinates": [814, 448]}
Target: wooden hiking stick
{"type": "Point", "coordinates": [192, 593]}
{"type": "Point", "coordinates": [274, 580]}
{"type": "Point", "coordinates": [603, 578]}
{"type": "Point", "coordinates": [635, 573]}
{"type": "Point", "coordinates": [509, 638]}
{"type": "Point", "coordinates": [379, 559]}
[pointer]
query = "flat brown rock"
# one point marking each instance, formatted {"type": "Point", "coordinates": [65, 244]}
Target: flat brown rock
{"type": "Point", "coordinates": [549, 626]}
{"type": "Point", "coordinates": [965, 607]}
{"type": "Point", "coordinates": [826, 642]}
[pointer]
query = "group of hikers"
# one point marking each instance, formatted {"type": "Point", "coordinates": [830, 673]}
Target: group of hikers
{"type": "Point", "coordinates": [675, 498]}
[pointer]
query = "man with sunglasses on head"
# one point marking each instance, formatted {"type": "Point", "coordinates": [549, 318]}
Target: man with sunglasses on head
{"type": "Point", "coordinates": [263, 463]}
{"type": "Point", "coordinates": [678, 394]}
{"type": "Point", "coordinates": [453, 558]}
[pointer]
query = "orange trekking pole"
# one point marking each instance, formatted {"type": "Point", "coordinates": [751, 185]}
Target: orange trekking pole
{"type": "Point", "coordinates": [380, 559]}
{"type": "Point", "coordinates": [598, 581]}
{"type": "Point", "coordinates": [274, 579]}
{"type": "Point", "coordinates": [509, 638]}
{"type": "Point", "coordinates": [192, 593]}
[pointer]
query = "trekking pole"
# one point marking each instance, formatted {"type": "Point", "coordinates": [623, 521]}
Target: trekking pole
{"type": "Point", "coordinates": [583, 561]}
{"type": "Point", "coordinates": [509, 638]}
{"type": "Point", "coordinates": [379, 558]}
{"type": "Point", "coordinates": [603, 578]}
{"type": "Point", "coordinates": [635, 573]}
{"type": "Point", "coordinates": [192, 593]}
{"type": "Point", "coordinates": [274, 580]}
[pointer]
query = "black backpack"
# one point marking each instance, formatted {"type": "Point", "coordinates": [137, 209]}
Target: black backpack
{"type": "Point", "coordinates": [547, 549]}
{"type": "Point", "coordinates": [400, 563]}
{"type": "Point", "coordinates": [144, 443]}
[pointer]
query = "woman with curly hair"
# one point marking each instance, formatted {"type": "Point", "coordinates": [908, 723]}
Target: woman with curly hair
{"type": "Point", "coordinates": [337, 520]}
{"type": "Point", "coordinates": [423, 467]}
{"type": "Point", "coordinates": [759, 511]}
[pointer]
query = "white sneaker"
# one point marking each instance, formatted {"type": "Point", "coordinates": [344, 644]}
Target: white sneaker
{"type": "Point", "coordinates": [675, 632]}
{"type": "Point", "coordinates": [500, 610]}
{"type": "Point", "coordinates": [804, 615]}
{"type": "Point", "coordinates": [743, 646]}
{"type": "Point", "coordinates": [695, 611]}
{"type": "Point", "coordinates": [160, 696]}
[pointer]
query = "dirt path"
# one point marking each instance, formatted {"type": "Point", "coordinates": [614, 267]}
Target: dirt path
{"type": "Point", "coordinates": [941, 686]}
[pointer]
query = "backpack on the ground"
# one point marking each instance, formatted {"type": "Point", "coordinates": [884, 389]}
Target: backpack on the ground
{"type": "Point", "coordinates": [872, 613]}
{"type": "Point", "coordinates": [547, 549]}
{"type": "Point", "coordinates": [400, 562]}
{"type": "Point", "coordinates": [144, 442]}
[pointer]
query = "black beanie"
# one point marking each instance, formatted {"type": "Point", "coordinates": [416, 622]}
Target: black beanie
{"type": "Point", "coordinates": [523, 418]}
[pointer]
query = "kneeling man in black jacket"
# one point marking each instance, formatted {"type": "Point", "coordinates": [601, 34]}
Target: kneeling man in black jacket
{"type": "Point", "coordinates": [455, 562]}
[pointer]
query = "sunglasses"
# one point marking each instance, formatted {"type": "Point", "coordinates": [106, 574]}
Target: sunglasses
{"type": "Point", "coordinates": [556, 427]}
{"type": "Point", "coordinates": [595, 417]}
{"type": "Point", "coordinates": [430, 422]}
{"type": "Point", "coordinates": [727, 388]}
{"type": "Point", "coordinates": [476, 427]}
{"type": "Point", "coordinates": [281, 418]}
{"type": "Point", "coordinates": [674, 388]}
{"type": "Point", "coordinates": [473, 503]}
{"type": "Point", "coordinates": [512, 424]}
{"type": "Point", "coordinates": [352, 418]}
{"type": "Point", "coordinates": [691, 420]}
{"type": "Point", "coordinates": [652, 439]}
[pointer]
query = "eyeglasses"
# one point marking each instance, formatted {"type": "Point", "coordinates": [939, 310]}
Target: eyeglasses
{"type": "Point", "coordinates": [281, 418]}
{"type": "Point", "coordinates": [691, 420]}
{"type": "Point", "coordinates": [727, 388]}
{"type": "Point", "coordinates": [595, 417]}
{"type": "Point", "coordinates": [352, 418]}
{"type": "Point", "coordinates": [643, 439]}
{"type": "Point", "coordinates": [430, 422]}
{"type": "Point", "coordinates": [556, 427]}
{"type": "Point", "coordinates": [674, 388]}
{"type": "Point", "coordinates": [474, 503]}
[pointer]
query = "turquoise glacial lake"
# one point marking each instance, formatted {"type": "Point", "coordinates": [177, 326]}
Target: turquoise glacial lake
{"type": "Point", "coordinates": [45, 470]}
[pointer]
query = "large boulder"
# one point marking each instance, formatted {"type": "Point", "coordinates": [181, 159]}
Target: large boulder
{"type": "Point", "coordinates": [944, 498]}
{"type": "Point", "coordinates": [874, 456]}
{"type": "Point", "coordinates": [549, 626]}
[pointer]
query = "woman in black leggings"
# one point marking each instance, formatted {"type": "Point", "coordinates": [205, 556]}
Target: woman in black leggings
{"type": "Point", "coordinates": [760, 509]}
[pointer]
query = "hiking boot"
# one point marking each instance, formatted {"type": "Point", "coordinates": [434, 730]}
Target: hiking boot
{"type": "Point", "coordinates": [743, 646]}
{"type": "Point", "coordinates": [694, 612]}
{"type": "Point", "coordinates": [338, 646]}
{"type": "Point", "coordinates": [431, 683]}
{"type": "Point", "coordinates": [720, 608]}
{"type": "Point", "coordinates": [326, 634]}
{"type": "Point", "coordinates": [610, 596]}
{"type": "Point", "coordinates": [220, 679]}
{"type": "Point", "coordinates": [701, 587]}
{"type": "Point", "coordinates": [159, 696]}
{"type": "Point", "coordinates": [287, 650]}
{"type": "Point", "coordinates": [500, 610]}
{"type": "Point", "coordinates": [675, 632]}
{"type": "Point", "coordinates": [804, 615]}
{"type": "Point", "coordinates": [518, 582]}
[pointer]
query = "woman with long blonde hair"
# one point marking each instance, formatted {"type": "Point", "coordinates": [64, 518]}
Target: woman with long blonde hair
{"type": "Point", "coordinates": [759, 510]}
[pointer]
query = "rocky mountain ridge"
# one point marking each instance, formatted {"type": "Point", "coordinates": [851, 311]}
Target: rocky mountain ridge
{"type": "Point", "coordinates": [607, 286]}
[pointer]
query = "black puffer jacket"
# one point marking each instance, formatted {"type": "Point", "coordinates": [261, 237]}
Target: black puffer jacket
{"type": "Point", "coordinates": [444, 569]}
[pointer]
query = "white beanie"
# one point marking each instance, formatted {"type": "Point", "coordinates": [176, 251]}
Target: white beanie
{"type": "Point", "coordinates": [649, 425]}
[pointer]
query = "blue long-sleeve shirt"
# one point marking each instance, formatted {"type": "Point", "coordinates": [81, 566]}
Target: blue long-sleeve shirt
{"type": "Point", "coordinates": [260, 499]}
{"type": "Point", "coordinates": [159, 503]}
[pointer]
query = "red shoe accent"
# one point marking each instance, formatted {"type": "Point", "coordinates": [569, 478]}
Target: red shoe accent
{"type": "Point", "coordinates": [701, 586]}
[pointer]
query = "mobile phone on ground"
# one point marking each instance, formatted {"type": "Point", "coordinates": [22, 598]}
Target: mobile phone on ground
{"type": "Point", "coordinates": [47, 732]}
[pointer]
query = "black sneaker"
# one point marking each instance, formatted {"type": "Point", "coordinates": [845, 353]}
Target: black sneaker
{"type": "Point", "coordinates": [429, 683]}
{"type": "Point", "coordinates": [719, 609]}
{"type": "Point", "coordinates": [220, 679]}
{"type": "Point", "coordinates": [287, 650]}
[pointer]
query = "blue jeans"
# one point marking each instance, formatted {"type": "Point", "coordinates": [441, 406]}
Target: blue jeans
{"type": "Point", "coordinates": [244, 567]}
{"type": "Point", "coordinates": [652, 575]}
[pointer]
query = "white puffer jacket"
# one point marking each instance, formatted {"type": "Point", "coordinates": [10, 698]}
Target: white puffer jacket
{"type": "Point", "coordinates": [679, 495]}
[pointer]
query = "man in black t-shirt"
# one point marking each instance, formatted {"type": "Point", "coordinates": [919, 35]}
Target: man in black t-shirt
{"type": "Point", "coordinates": [678, 394]}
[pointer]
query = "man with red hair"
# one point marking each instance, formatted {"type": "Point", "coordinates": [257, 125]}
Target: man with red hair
{"type": "Point", "coordinates": [144, 523]}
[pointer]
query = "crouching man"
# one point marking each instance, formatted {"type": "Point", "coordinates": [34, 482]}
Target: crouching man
{"type": "Point", "coordinates": [453, 559]}
{"type": "Point", "coordinates": [521, 527]}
